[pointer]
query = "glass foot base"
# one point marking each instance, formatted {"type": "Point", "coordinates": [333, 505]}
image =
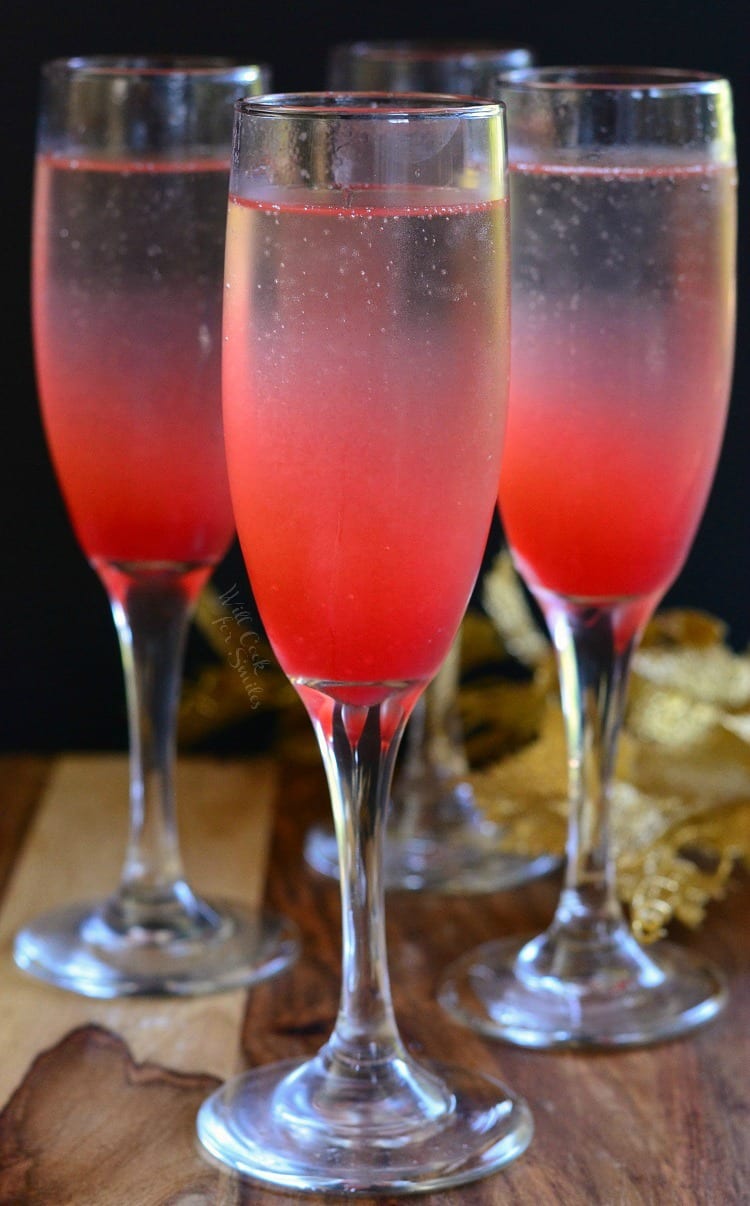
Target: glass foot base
{"type": "Point", "coordinates": [74, 948]}
{"type": "Point", "coordinates": [452, 863]}
{"type": "Point", "coordinates": [295, 1126]}
{"type": "Point", "coordinates": [630, 996]}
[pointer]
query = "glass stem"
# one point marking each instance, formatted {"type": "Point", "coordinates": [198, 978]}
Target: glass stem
{"type": "Point", "coordinates": [594, 645]}
{"type": "Point", "coordinates": [152, 610]}
{"type": "Point", "coordinates": [428, 792]}
{"type": "Point", "coordinates": [442, 737]}
{"type": "Point", "coordinates": [359, 744]}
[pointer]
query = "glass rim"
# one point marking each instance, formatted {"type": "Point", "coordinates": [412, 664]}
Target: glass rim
{"type": "Point", "coordinates": [617, 79]}
{"type": "Point", "coordinates": [368, 105]}
{"type": "Point", "coordinates": [427, 49]}
{"type": "Point", "coordinates": [135, 66]}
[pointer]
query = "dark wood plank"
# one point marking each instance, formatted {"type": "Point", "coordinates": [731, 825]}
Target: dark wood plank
{"type": "Point", "coordinates": [88, 1125]}
{"type": "Point", "coordinates": [22, 781]}
{"type": "Point", "coordinates": [661, 1126]}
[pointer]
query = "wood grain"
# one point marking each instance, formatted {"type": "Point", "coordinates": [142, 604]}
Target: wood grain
{"type": "Point", "coordinates": [101, 1097]}
{"type": "Point", "coordinates": [73, 851]}
{"type": "Point", "coordinates": [89, 1125]}
{"type": "Point", "coordinates": [22, 781]}
{"type": "Point", "coordinates": [661, 1126]}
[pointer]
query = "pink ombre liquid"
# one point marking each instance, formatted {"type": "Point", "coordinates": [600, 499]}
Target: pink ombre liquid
{"type": "Point", "coordinates": [623, 309]}
{"type": "Point", "coordinates": [127, 276]}
{"type": "Point", "coordinates": [365, 390]}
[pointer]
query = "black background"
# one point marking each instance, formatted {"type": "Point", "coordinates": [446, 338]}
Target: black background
{"type": "Point", "coordinates": [60, 683]}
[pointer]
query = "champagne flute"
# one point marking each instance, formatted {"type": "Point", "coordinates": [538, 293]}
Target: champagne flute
{"type": "Point", "coordinates": [438, 837]}
{"type": "Point", "coordinates": [366, 256]}
{"type": "Point", "coordinates": [128, 237]}
{"type": "Point", "coordinates": [467, 67]}
{"type": "Point", "coordinates": [623, 185]}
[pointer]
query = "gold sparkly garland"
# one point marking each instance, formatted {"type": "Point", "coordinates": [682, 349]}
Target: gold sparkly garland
{"type": "Point", "coordinates": [681, 800]}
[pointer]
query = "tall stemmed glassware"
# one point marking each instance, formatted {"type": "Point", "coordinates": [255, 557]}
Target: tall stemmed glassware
{"type": "Point", "coordinates": [129, 222]}
{"type": "Point", "coordinates": [366, 291]}
{"type": "Point", "coordinates": [438, 836]}
{"type": "Point", "coordinates": [623, 185]}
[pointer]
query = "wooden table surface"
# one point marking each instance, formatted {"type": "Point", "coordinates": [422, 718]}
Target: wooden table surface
{"type": "Point", "coordinates": [99, 1098]}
